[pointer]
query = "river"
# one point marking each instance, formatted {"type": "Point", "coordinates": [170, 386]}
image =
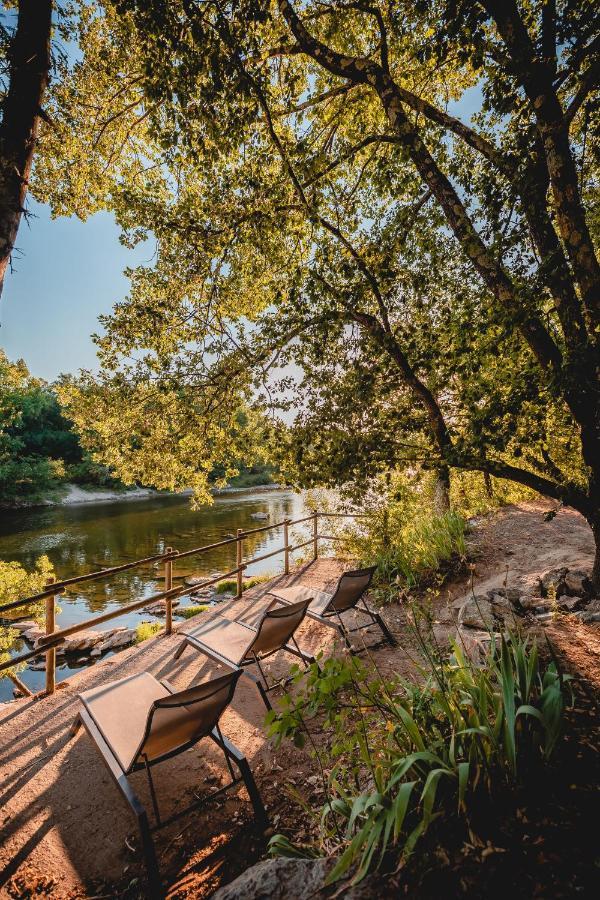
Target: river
{"type": "Point", "coordinates": [87, 537]}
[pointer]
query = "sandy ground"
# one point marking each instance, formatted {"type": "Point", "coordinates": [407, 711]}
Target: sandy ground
{"type": "Point", "coordinates": [63, 828]}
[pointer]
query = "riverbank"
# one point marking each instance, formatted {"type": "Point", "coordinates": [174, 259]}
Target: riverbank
{"type": "Point", "coordinates": [75, 495]}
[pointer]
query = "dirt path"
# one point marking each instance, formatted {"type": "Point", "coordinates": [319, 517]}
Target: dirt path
{"type": "Point", "coordinates": [63, 829]}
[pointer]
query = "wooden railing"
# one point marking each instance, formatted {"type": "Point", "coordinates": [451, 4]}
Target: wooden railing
{"type": "Point", "coordinates": [53, 638]}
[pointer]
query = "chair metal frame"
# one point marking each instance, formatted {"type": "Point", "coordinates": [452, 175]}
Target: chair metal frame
{"type": "Point", "coordinates": [262, 683]}
{"type": "Point", "coordinates": [120, 777]}
{"type": "Point", "coordinates": [330, 613]}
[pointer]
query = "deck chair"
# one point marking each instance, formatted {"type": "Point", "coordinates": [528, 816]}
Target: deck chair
{"type": "Point", "coordinates": [238, 645]}
{"type": "Point", "coordinates": [138, 722]}
{"type": "Point", "coordinates": [329, 608]}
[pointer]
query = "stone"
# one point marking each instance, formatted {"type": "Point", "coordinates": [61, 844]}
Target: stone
{"type": "Point", "coordinates": [568, 604]}
{"type": "Point", "coordinates": [589, 616]}
{"type": "Point", "coordinates": [576, 583]}
{"type": "Point", "coordinates": [476, 612]}
{"type": "Point", "coordinates": [24, 625]}
{"type": "Point", "coordinates": [534, 603]}
{"type": "Point", "coordinates": [96, 652]}
{"type": "Point", "coordinates": [34, 634]}
{"type": "Point", "coordinates": [295, 879]}
{"type": "Point", "coordinates": [120, 637]}
{"type": "Point", "coordinates": [498, 600]}
{"type": "Point", "coordinates": [553, 581]}
{"type": "Point", "coordinates": [278, 879]}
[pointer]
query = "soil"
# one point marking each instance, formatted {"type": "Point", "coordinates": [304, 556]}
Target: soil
{"type": "Point", "coordinates": [64, 832]}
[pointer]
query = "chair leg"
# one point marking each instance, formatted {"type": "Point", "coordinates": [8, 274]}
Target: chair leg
{"type": "Point", "coordinates": [180, 649]}
{"type": "Point", "coordinates": [260, 812]}
{"type": "Point", "coordinates": [385, 630]}
{"type": "Point", "coordinates": [77, 723]}
{"type": "Point", "coordinates": [155, 888]}
{"type": "Point", "coordinates": [232, 752]}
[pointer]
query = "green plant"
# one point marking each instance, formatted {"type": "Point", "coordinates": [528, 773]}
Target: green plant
{"type": "Point", "coordinates": [230, 584]}
{"type": "Point", "coordinates": [147, 630]}
{"type": "Point", "coordinates": [402, 754]}
{"type": "Point", "coordinates": [17, 583]}
{"type": "Point", "coordinates": [404, 538]}
{"type": "Point", "coordinates": [188, 612]}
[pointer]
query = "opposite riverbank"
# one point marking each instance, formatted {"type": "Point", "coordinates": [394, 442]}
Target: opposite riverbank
{"type": "Point", "coordinates": [74, 495]}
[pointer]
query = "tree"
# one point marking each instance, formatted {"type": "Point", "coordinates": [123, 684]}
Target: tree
{"type": "Point", "coordinates": [303, 170]}
{"type": "Point", "coordinates": [27, 71]}
{"type": "Point", "coordinates": [35, 439]}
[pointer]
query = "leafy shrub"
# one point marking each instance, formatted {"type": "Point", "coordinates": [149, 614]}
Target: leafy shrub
{"type": "Point", "coordinates": [406, 550]}
{"type": "Point", "coordinates": [17, 583]}
{"type": "Point", "coordinates": [147, 630]}
{"type": "Point", "coordinates": [188, 612]}
{"type": "Point", "coordinates": [402, 753]}
{"type": "Point", "coordinates": [230, 584]}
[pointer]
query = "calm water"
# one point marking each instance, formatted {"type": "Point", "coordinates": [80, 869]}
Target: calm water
{"type": "Point", "coordinates": [83, 538]}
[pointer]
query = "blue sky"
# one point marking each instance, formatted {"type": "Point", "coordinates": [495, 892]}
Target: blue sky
{"type": "Point", "coordinates": [65, 275]}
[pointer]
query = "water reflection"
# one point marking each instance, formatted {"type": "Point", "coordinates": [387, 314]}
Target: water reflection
{"type": "Point", "coordinates": [80, 539]}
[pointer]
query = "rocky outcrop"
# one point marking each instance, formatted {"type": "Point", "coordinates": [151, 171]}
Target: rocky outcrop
{"type": "Point", "coordinates": [295, 879]}
{"type": "Point", "coordinates": [92, 642]}
{"type": "Point", "coordinates": [560, 590]}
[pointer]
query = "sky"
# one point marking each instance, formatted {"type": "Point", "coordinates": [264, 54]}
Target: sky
{"type": "Point", "coordinates": [66, 273]}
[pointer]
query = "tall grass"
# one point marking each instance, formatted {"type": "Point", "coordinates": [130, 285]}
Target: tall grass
{"type": "Point", "coordinates": [402, 754]}
{"type": "Point", "coordinates": [407, 546]}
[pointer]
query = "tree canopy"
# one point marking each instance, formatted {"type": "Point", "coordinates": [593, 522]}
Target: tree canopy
{"type": "Point", "coordinates": [335, 233]}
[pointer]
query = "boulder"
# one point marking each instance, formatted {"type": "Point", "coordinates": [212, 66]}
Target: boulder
{"type": "Point", "coordinates": [568, 604]}
{"type": "Point", "coordinates": [553, 581]}
{"type": "Point", "coordinates": [576, 583]}
{"type": "Point", "coordinates": [476, 612]}
{"type": "Point", "coordinates": [83, 641]}
{"type": "Point", "coordinates": [24, 625]}
{"type": "Point", "coordinates": [34, 634]}
{"type": "Point", "coordinates": [119, 637]}
{"type": "Point", "coordinates": [294, 879]}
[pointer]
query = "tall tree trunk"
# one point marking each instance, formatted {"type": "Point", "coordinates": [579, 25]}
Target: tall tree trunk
{"type": "Point", "coordinates": [29, 72]}
{"type": "Point", "coordinates": [441, 491]}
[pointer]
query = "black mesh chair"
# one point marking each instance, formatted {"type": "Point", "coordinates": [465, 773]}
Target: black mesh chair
{"type": "Point", "coordinates": [138, 722]}
{"type": "Point", "coordinates": [237, 644]}
{"type": "Point", "coordinates": [329, 608]}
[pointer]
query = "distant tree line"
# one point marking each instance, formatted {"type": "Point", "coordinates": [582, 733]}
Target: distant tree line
{"type": "Point", "coordinates": [40, 449]}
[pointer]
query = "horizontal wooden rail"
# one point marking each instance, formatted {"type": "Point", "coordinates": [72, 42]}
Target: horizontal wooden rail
{"type": "Point", "coordinates": [299, 546]}
{"type": "Point", "coordinates": [256, 559]}
{"type": "Point", "coordinates": [62, 633]}
{"type": "Point", "coordinates": [15, 604]}
{"type": "Point", "coordinates": [53, 639]}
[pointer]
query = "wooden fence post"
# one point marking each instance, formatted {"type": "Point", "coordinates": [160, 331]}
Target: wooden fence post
{"type": "Point", "coordinates": [168, 586]}
{"type": "Point", "coordinates": [238, 562]}
{"type": "Point", "coordinates": [315, 535]}
{"type": "Point", "coordinates": [51, 653]}
{"type": "Point", "coordinates": [286, 547]}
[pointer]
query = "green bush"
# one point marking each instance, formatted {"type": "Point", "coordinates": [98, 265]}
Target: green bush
{"type": "Point", "coordinates": [230, 584]}
{"type": "Point", "coordinates": [188, 612]}
{"type": "Point", "coordinates": [147, 630]}
{"type": "Point", "coordinates": [401, 754]}
{"type": "Point", "coordinates": [16, 583]}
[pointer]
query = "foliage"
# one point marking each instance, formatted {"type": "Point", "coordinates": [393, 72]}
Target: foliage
{"type": "Point", "coordinates": [230, 584]}
{"type": "Point", "coordinates": [400, 534]}
{"type": "Point", "coordinates": [328, 232]}
{"type": "Point", "coordinates": [188, 612]}
{"type": "Point", "coordinates": [147, 630]}
{"type": "Point", "coordinates": [401, 754]}
{"type": "Point", "coordinates": [39, 449]}
{"type": "Point", "coordinates": [16, 583]}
